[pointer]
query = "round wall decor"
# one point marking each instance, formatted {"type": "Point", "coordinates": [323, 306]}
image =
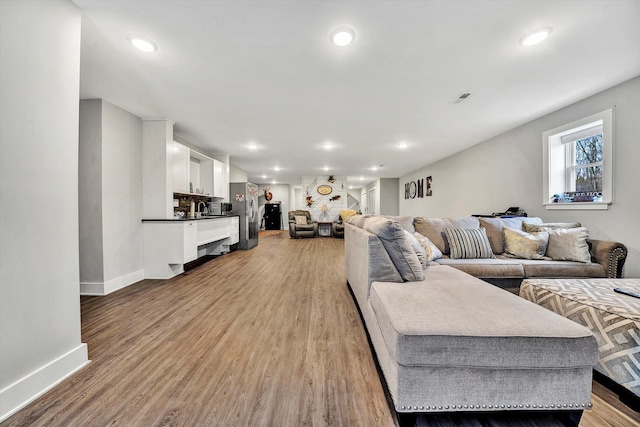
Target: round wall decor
{"type": "Point", "coordinates": [324, 190]}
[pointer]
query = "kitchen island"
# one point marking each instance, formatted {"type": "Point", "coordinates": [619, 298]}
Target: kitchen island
{"type": "Point", "coordinates": [170, 243]}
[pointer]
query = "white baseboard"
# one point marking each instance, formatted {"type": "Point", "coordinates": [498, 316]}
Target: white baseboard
{"type": "Point", "coordinates": [105, 288]}
{"type": "Point", "coordinates": [24, 391]}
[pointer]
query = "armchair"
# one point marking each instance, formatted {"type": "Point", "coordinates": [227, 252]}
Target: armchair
{"type": "Point", "coordinates": [299, 227]}
{"type": "Point", "coordinates": [338, 226]}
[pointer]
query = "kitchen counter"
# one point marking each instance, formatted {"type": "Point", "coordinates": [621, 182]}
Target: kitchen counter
{"type": "Point", "coordinates": [187, 219]}
{"type": "Point", "coordinates": [170, 243]}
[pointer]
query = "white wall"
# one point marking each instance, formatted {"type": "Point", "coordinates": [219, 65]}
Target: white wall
{"type": "Point", "coordinates": [281, 193]}
{"type": "Point", "coordinates": [310, 186]}
{"type": "Point", "coordinates": [507, 171]}
{"type": "Point", "coordinates": [40, 342]}
{"type": "Point", "coordinates": [111, 201]}
{"type": "Point", "coordinates": [236, 174]}
{"type": "Point", "coordinates": [388, 199]}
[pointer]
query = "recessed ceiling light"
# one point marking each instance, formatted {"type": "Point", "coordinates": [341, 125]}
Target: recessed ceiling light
{"type": "Point", "coordinates": [327, 146]}
{"type": "Point", "coordinates": [326, 168]}
{"type": "Point", "coordinates": [143, 43]}
{"type": "Point", "coordinates": [277, 168]}
{"type": "Point", "coordinates": [264, 176]}
{"type": "Point", "coordinates": [536, 36]}
{"type": "Point", "coordinates": [252, 146]}
{"type": "Point", "coordinates": [403, 145]}
{"type": "Point", "coordinates": [342, 36]}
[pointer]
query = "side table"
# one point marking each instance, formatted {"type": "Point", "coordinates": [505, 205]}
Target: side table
{"type": "Point", "coordinates": [325, 228]}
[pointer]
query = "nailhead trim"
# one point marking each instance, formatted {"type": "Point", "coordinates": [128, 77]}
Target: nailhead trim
{"type": "Point", "coordinates": [429, 408]}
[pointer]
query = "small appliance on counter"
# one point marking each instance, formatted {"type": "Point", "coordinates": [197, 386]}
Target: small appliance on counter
{"type": "Point", "coordinates": [215, 208]}
{"type": "Point", "coordinates": [220, 208]}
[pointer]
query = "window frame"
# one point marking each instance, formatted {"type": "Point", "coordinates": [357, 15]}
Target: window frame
{"type": "Point", "coordinates": [570, 162]}
{"type": "Point", "coordinates": [555, 161]}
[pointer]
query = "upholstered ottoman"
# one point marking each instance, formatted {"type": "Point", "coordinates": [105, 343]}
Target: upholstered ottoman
{"type": "Point", "coordinates": [612, 317]}
{"type": "Point", "coordinates": [455, 343]}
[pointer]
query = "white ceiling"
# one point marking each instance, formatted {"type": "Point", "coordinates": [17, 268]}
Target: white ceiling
{"type": "Point", "coordinates": [231, 72]}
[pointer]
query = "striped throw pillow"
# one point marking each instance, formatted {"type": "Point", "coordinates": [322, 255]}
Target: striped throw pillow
{"type": "Point", "coordinates": [468, 243]}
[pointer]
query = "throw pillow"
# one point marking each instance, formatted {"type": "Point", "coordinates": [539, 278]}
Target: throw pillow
{"type": "Point", "coordinates": [468, 243]}
{"type": "Point", "coordinates": [301, 220]}
{"type": "Point", "coordinates": [433, 253]}
{"type": "Point", "coordinates": [417, 248]}
{"type": "Point", "coordinates": [345, 214]}
{"type": "Point", "coordinates": [569, 244]}
{"type": "Point", "coordinates": [433, 228]}
{"type": "Point", "coordinates": [520, 244]}
{"type": "Point", "coordinates": [395, 242]}
{"type": "Point", "coordinates": [533, 228]}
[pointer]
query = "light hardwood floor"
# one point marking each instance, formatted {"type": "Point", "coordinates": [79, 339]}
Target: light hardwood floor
{"type": "Point", "coordinates": [265, 337]}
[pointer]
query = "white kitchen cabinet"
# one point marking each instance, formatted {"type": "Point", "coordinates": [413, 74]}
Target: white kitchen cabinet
{"type": "Point", "coordinates": [181, 168]}
{"type": "Point", "coordinates": [190, 241]}
{"type": "Point", "coordinates": [234, 230]}
{"type": "Point", "coordinates": [211, 230]}
{"type": "Point", "coordinates": [202, 173]}
{"type": "Point", "coordinates": [168, 245]}
{"type": "Point", "coordinates": [220, 184]}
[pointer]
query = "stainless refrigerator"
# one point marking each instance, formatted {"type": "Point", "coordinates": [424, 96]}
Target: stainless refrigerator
{"type": "Point", "coordinates": [244, 203]}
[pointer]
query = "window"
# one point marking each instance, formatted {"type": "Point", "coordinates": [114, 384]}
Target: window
{"type": "Point", "coordinates": [578, 164]}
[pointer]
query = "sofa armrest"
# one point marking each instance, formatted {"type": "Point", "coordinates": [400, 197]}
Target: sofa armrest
{"type": "Point", "coordinates": [611, 255]}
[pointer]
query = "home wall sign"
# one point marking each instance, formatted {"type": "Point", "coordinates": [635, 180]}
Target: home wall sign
{"type": "Point", "coordinates": [413, 189]}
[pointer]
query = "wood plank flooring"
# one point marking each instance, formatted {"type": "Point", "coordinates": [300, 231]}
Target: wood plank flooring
{"type": "Point", "coordinates": [265, 337]}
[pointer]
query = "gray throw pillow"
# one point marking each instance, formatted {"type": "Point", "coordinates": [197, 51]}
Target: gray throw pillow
{"type": "Point", "coordinates": [468, 243]}
{"type": "Point", "coordinates": [398, 247]}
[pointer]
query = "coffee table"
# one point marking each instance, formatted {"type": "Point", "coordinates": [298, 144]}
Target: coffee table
{"type": "Point", "coordinates": [613, 318]}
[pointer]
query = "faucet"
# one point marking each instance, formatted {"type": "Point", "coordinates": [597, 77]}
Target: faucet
{"type": "Point", "coordinates": [205, 207]}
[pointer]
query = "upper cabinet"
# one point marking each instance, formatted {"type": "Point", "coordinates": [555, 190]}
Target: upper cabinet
{"type": "Point", "coordinates": [181, 168]}
{"type": "Point", "coordinates": [193, 172]}
{"type": "Point", "coordinates": [220, 185]}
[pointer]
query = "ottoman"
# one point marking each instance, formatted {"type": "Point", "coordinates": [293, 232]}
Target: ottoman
{"type": "Point", "coordinates": [612, 317]}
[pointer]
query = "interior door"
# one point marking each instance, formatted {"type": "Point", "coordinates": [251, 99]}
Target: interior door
{"type": "Point", "coordinates": [371, 201]}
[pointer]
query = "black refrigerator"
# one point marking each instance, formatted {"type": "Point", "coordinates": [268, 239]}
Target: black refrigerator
{"type": "Point", "coordinates": [244, 203]}
{"type": "Point", "coordinates": [272, 216]}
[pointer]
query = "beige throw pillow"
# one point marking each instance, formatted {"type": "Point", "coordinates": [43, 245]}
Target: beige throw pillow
{"type": "Point", "coordinates": [433, 253]}
{"type": "Point", "coordinates": [569, 244]}
{"type": "Point", "coordinates": [417, 248]}
{"type": "Point", "coordinates": [520, 244]}
{"type": "Point", "coordinates": [301, 220]}
{"type": "Point", "coordinates": [534, 228]}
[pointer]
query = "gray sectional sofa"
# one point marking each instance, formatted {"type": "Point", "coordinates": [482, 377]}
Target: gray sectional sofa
{"type": "Point", "coordinates": [447, 341]}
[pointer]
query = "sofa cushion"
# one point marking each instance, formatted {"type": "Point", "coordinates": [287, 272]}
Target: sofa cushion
{"type": "Point", "coordinates": [487, 267]}
{"type": "Point", "coordinates": [542, 268]}
{"type": "Point", "coordinates": [433, 253]}
{"type": "Point", "coordinates": [358, 220]}
{"type": "Point", "coordinates": [465, 243]}
{"type": "Point", "coordinates": [494, 229]}
{"type": "Point", "coordinates": [397, 246]}
{"type": "Point", "coordinates": [491, 328]}
{"type": "Point", "coordinates": [520, 244]}
{"type": "Point", "coordinates": [433, 228]}
{"type": "Point", "coordinates": [569, 244]}
{"type": "Point", "coordinates": [405, 221]}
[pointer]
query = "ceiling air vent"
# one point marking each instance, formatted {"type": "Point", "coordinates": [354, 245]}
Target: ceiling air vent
{"type": "Point", "coordinates": [461, 97]}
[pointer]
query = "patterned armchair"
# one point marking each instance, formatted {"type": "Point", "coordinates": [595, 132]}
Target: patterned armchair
{"type": "Point", "coordinates": [301, 224]}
